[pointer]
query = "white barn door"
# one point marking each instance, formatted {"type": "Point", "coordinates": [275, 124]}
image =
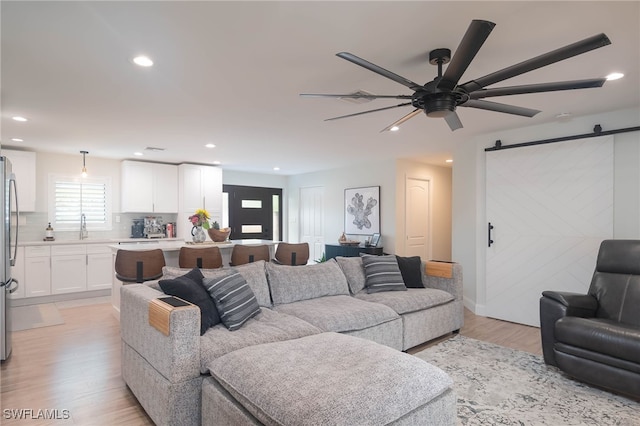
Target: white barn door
{"type": "Point", "coordinates": [550, 207]}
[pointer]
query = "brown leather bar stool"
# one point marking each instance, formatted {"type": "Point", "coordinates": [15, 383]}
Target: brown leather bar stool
{"type": "Point", "coordinates": [241, 254]}
{"type": "Point", "coordinates": [137, 266]}
{"type": "Point", "coordinates": [208, 258]}
{"type": "Point", "coordinates": [292, 254]}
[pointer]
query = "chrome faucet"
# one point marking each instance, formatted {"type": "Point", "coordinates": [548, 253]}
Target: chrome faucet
{"type": "Point", "coordinates": [83, 227]}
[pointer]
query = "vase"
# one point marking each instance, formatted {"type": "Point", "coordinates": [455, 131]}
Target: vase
{"type": "Point", "coordinates": [198, 234]}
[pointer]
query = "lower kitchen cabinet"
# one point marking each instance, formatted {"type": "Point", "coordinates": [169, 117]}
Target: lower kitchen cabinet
{"type": "Point", "coordinates": [99, 267]}
{"type": "Point", "coordinates": [37, 271]}
{"type": "Point", "coordinates": [68, 268]}
{"type": "Point", "coordinates": [59, 269]}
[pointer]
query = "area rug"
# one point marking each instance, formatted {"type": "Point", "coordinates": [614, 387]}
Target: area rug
{"type": "Point", "coordinates": [495, 385]}
{"type": "Point", "coordinates": [35, 316]}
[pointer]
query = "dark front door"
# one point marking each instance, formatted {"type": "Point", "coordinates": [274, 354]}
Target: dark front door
{"type": "Point", "coordinates": [254, 212]}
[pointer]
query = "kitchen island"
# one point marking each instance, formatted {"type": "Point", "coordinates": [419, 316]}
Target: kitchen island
{"type": "Point", "coordinates": [171, 250]}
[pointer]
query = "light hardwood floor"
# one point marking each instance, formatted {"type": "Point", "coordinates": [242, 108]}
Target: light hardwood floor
{"type": "Point", "coordinates": [76, 367]}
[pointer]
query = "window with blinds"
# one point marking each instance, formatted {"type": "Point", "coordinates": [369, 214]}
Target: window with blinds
{"type": "Point", "coordinates": [71, 197]}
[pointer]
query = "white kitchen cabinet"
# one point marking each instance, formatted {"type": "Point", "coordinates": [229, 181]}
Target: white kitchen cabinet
{"type": "Point", "coordinates": [37, 271]}
{"type": "Point", "coordinates": [99, 267]}
{"type": "Point", "coordinates": [148, 187]}
{"type": "Point", "coordinates": [200, 188]}
{"type": "Point", "coordinates": [165, 188]}
{"type": "Point", "coordinates": [17, 273]}
{"type": "Point", "coordinates": [68, 268]}
{"type": "Point", "coordinates": [24, 167]}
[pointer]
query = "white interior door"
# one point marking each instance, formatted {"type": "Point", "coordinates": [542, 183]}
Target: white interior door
{"type": "Point", "coordinates": [312, 220]}
{"type": "Point", "coordinates": [550, 207]}
{"type": "Point", "coordinates": [417, 242]}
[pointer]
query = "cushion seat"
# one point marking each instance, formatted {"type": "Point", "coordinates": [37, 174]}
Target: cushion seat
{"type": "Point", "coordinates": [412, 300]}
{"type": "Point", "coordinates": [339, 313]}
{"type": "Point", "coordinates": [600, 335]}
{"type": "Point", "coordinates": [333, 379]}
{"type": "Point", "coordinates": [268, 326]}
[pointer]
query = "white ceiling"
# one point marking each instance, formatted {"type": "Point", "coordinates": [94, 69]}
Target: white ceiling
{"type": "Point", "coordinates": [230, 73]}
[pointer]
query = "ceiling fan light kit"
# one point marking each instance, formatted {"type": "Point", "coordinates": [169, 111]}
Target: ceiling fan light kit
{"type": "Point", "coordinates": [440, 97]}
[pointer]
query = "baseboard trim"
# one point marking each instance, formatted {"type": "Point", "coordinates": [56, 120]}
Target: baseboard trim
{"type": "Point", "coordinates": [474, 307]}
{"type": "Point", "coordinates": [52, 298]}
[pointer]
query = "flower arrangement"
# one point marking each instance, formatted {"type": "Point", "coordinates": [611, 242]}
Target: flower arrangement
{"type": "Point", "coordinates": [200, 218]}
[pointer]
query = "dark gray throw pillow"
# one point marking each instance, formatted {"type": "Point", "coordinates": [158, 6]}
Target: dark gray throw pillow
{"type": "Point", "coordinates": [234, 299]}
{"type": "Point", "coordinates": [190, 288]}
{"type": "Point", "coordinates": [382, 273]}
{"type": "Point", "coordinates": [410, 268]}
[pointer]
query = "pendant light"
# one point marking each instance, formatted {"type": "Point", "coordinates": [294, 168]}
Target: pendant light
{"type": "Point", "coordinates": [84, 164]}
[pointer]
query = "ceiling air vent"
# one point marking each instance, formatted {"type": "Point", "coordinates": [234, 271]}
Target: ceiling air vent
{"type": "Point", "coordinates": [153, 148]}
{"type": "Point", "coordinates": [358, 100]}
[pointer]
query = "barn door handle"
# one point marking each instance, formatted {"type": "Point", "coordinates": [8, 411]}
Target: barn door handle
{"type": "Point", "coordinates": [489, 228]}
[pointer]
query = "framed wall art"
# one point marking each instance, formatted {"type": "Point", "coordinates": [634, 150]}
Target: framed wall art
{"type": "Point", "coordinates": [362, 210]}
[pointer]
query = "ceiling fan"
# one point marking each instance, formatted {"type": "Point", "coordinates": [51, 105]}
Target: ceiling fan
{"type": "Point", "coordinates": [441, 96]}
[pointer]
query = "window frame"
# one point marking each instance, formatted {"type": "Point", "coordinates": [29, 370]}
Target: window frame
{"type": "Point", "coordinates": [54, 178]}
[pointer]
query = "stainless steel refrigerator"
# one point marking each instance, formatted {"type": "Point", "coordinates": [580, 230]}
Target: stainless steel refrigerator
{"type": "Point", "coordinates": [8, 251]}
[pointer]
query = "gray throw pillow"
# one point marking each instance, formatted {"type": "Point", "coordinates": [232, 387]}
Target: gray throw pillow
{"type": "Point", "coordinates": [382, 274]}
{"type": "Point", "coordinates": [234, 299]}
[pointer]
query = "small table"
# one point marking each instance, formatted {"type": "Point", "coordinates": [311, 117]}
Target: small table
{"type": "Point", "coordinates": [333, 250]}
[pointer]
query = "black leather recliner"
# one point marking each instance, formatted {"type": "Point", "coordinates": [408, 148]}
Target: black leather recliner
{"type": "Point", "coordinates": [595, 337]}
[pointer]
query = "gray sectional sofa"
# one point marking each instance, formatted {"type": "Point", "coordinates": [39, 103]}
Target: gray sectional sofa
{"type": "Point", "coordinates": [321, 350]}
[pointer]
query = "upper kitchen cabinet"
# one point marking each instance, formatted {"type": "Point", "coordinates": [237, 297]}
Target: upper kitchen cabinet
{"type": "Point", "coordinates": [24, 167]}
{"type": "Point", "coordinates": [149, 187]}
{"type": "Point", "coordinates": [200, 188]}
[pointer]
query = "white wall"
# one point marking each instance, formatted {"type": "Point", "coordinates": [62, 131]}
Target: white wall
{"type": "Point", "coordinates": [469, 217]}
{"type": "Point", "coordinates": [390, 176]}
{"type": "Point", "coordinates": [232, 177]}
{"type": "Point", "coordinates": [47, 163]}
{"type": "Point", "coordinates": [335, 181]}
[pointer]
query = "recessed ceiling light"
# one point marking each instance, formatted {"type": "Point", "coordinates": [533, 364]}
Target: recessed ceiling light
{"type": "Point", "coordinates": [563, 115]}
{"type": "Point", "coordinates": [139, 154]}
{"type": "Point", "coordinates": [448, 160]}
{"type": "Point", "coordinates": [210, 145]}
{"type": "Point", "coordinates": [143, 61]}
{"type": "Point", "coordinates": [394, 129]}
{"type": "Point", "coordinates": [615, 76]}
{"type": "Point", "coordinates": [18, 118]}
{"type": "Point", "coordinates": [276, 168]}
{"type": "Point", "coordinates": [17, 140]}
{"type": "Point", "coordinates": [217, 162]}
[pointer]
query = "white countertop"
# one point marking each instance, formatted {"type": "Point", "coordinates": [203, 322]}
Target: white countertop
{"type": "Point", "coordinates": [100, 241]}
{"type": "Point", "coordinates": [175, 244]}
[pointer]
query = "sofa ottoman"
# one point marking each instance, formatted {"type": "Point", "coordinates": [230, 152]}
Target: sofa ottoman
{"type": "Point", "coordinates": [328, 379]}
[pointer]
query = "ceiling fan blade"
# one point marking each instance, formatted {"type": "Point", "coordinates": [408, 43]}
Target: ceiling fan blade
{"type": "Point", "coordinates": [402, 120]}
{"type": "Point", "coordinates": [351, 96]}
{"type": "Point", "coordinates": [471, 43]}
{"type": "Point", "coordinates": [367, 112]}
{"type": "Point", "coordinates": [453, 121]}
{"type": "Point", "coordinates": [538, 88]}
{"type": "Point", "coordinates": [494, 106]}
{"type": "Point", "coordinates": [545, 59]}
{"type": "Point", "coordinates": [379, 70]}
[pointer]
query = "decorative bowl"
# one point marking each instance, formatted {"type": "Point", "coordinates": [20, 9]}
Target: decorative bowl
{"type": "Point", "coordinates": [218, 235]}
